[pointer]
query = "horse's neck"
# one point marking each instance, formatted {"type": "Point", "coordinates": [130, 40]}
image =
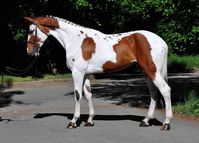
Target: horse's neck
{"type": "Point", "coordinates": [63, 35]}
{"type": "Point", "coordinates": [69, 34]}
{"type": "Point", "coordinates": [70, 37]}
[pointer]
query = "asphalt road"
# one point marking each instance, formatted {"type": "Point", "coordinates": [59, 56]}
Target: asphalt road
{"type": "Point", "coordinates": [38, 112]}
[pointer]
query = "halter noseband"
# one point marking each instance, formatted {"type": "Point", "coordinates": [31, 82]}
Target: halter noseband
{"type": "Point", "coordinates": [35, 44]}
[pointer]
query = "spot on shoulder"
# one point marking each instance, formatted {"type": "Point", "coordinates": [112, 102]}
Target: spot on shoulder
{"type": "Point", "coordinates": [88, 48]}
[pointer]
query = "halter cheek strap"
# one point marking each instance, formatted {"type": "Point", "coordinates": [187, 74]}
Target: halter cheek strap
{"type": "Point", "coordinates": [35, 43]}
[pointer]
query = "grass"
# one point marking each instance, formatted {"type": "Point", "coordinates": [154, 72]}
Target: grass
{"type": "Point", "coordinates": [183, 63]}
{"type": "Point", "coordinates": [30, 78]}
{"type": "Point", "coordinates": [190, 107]}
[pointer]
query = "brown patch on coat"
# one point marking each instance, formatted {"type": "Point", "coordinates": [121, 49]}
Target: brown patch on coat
{"type": "Point", "coordinates": [144, 57]}
{"type": "Point", "coordinates": [130, 49]}
{"type": "Point", "coordinates": [88, 48]}
{"type": "Point", "coordinates": [125, 51]}
{"type": "Point", "coordinates": [44, 23]}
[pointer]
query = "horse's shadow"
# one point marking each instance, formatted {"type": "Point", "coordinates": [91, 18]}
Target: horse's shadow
{"type": "Point", "coordinates": [6, 98]}
{"type": "Point", "coordinates": [84, 117]}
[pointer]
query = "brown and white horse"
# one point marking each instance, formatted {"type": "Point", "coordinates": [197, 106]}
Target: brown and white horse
{"type": "Point", "coordinates": [90, 51]}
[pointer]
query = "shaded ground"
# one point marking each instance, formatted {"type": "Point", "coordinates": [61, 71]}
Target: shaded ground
{"type": "Point", "coordinates": [132, 89]}
{"type": "Point", "coordinates": [124, 88]}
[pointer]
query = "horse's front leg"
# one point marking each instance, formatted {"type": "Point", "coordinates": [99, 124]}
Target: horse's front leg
{"type": "Point", "coordinates": [78, 77]}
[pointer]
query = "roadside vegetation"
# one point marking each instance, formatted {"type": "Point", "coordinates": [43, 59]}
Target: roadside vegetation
{"type": "Point", "coordinates": [30, 78]}
{"type": "Point", "coordinates": [190, 106]}
{"type": "Point", "coordinates": [189, 63]}
{"type": "Point", "coordinates": [175, 21]}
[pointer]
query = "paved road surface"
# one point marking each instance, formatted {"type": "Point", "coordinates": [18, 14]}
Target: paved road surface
{"type": "Point", "coordinates": [38, 112]}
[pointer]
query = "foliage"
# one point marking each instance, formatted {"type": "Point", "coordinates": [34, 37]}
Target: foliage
{"type": "Point", "coordinates": [175, 21]}
{"type": "Point", "coordinates": [185, 63]}
{"type": "Point", "coordinates": [191, 106]}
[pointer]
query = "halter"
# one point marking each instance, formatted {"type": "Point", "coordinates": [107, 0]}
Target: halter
{"type": "Point", "coordinates": [34, 43]}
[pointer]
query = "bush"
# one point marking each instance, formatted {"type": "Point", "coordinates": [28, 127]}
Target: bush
{"type": "Point", "coordinates": [183, 63]}
{"type": "Point", "coordinates": [175, 21]}
{"type": "Point", "coordinates": [191, 105]}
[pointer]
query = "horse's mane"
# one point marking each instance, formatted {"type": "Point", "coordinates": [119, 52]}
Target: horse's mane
{"type": "Point", "coordinates": [65, 21]}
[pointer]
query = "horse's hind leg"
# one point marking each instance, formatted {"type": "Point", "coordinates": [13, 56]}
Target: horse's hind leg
{"type": "Point", "coordinates": [153, 95]}
{"type": "Point", "coordinates": [88, 95]}
{"type": "Point", "coordinates": [165, 90]}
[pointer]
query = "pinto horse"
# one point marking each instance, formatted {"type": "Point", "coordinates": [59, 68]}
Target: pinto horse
{"type": "Point", "coordinates": [89, 51]}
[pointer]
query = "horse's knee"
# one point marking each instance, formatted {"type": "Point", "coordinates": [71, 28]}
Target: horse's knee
{"type": "Point", "coordinates": [87, 90]}
{"type": "Point", "coordinates": [166, 92]}
{"type": "Point", "coordinates": [163, 87]}
{"type": "Point", "coordinates": [88, 95]}
{"type": "Point", "coordinates": [78, 96]}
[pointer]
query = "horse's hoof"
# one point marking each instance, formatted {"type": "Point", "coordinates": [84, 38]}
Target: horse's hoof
{"type": "Point", "coordinates": [143, 124]}
{"type": "Point", "coordinates": [165, 127]}
{"type": "Point", "coordinates": [89, 124]}
{"type": "Point", "coordinates": [71, 125]}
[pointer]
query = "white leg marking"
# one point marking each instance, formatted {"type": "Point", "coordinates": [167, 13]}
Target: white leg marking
{"type": "Point", "coordinates": [78, 77]}
{"type": "Point", "coordinates": [153, 94]}
{"type": "Point", "coordinates": [165, 90]}
{"type": "Point", "coordinates": [88, 95]}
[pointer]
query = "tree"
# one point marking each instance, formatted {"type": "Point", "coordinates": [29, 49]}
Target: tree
{"type": "Point", "coordinates": [176, 21]}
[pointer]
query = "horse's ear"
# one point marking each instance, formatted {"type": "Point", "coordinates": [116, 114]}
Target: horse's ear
{"type": "Point", "coordinates": [30, 19]}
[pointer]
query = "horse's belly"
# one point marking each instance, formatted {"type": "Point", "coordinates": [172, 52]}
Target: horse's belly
{"type": "Point", "coordinates": [94, 69]}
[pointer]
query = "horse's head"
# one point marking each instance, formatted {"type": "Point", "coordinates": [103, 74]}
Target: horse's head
{"type": "Point", "coordinates": [38, 33]}
{"type": "Point", "coordinates": [35, 39]}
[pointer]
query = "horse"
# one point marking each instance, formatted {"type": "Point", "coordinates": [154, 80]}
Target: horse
{"type": "Point", "coordinates": [89, 51]}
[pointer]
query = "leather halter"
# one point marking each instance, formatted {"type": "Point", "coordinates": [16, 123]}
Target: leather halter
{"type": "Point", "coordinates": [35, 44]}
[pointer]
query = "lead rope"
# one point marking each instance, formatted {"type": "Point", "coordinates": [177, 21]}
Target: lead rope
{"type": "Point", "coordinates": [20, 72]}
{"type": "Point", "coordinates": [15, 72]}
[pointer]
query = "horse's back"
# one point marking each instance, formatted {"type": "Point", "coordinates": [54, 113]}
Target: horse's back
{"type": "Point", "coordinates": [155, 41]}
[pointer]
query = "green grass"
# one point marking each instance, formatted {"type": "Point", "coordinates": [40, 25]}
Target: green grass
{"type": "Point", "coordinates": [190, 107]}
{"type": "Point", "coordinates": [30, 78]}
{"type": "Point", "coordinates": [183, 63]}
